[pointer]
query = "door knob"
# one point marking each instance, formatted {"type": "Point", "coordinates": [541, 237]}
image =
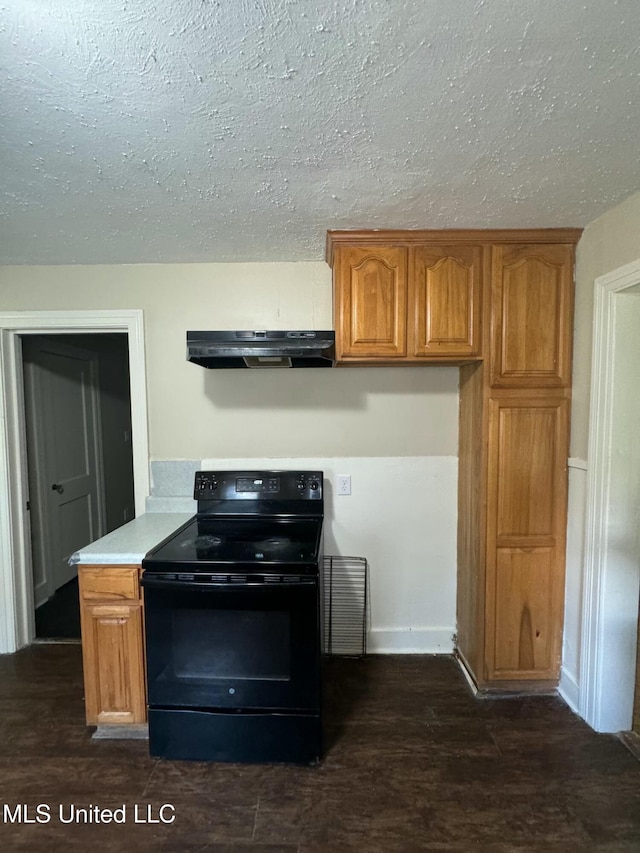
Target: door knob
{"type": "Point", "coordinates": [57, 487]}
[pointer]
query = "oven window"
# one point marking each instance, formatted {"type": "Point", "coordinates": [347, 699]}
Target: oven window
{"type": "Point", "coordinates": [231, 644]}
{"type": "Point", "coordinates": [254, 647]}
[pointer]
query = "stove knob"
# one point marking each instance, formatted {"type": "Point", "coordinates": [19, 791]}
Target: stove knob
{"type": "Point", "coordinates": [314, 485]}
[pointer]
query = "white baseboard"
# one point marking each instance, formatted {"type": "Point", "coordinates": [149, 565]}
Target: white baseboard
{"type": "Point", "coordinates": [410, 641]}
{"type": "Point", "coordinates": [576, 462]}
{"type": "Point", "coordinates": [569, 689]}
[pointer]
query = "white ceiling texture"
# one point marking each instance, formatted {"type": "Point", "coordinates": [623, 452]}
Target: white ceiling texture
{"type": "Point", "coordinates": [240, 130]}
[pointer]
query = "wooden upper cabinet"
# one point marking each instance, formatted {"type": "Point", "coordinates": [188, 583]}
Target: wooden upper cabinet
{"type": "Point", "coordinates": [445, 300]}
{"type": "Point", "coordinates": [407, 303]}
{"type": "Point", "coordinates": [531, 314]}
{"type": "Point", "coordinates": [370, 302]}
{"type": "Point", "coordinates": [417, 297]}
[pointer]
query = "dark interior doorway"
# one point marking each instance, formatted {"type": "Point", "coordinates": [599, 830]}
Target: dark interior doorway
{"type": "Point", "coordinates": [59, 617]}
{"type": "Point", "coordinates": [57, 612]}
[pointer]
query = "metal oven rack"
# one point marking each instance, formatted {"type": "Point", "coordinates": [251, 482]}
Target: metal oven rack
{"type": "Point", "coordinates": [345, 605]}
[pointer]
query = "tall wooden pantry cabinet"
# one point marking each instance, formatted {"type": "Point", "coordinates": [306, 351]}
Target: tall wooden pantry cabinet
{"type": "Point", "coordinates": [499, 304]}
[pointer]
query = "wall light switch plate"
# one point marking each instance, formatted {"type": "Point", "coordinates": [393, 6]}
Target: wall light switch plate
{"type": "Point", "coordinates": [344, 484]}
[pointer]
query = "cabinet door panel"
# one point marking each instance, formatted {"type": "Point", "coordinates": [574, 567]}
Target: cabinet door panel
{"type": "Point", "coordinates": [532, 301]}
{"type": "Point", "coordinates": [113, 664]}
{"type": "Point", "coordinates": [526, 512]}
{"type": "Point", "coordinates": [525, 470]}
{"type": "Point", "coordinates": [524, 615]}
{"type": "Point", "coordinates": [446, 300]}
{"type": "Point", "coordinates": [528, 446]}
{"type": "Point", "coordinates": [371, 301]}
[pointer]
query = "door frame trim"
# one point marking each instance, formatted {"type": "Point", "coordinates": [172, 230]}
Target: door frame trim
{"type": "Point", "coordinates": [17, 627]}
{"type": "Point", "coordinates": [594, 628]}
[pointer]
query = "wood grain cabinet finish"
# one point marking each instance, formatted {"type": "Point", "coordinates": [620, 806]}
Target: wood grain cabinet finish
{"type": "Point", "coordinates": [499, 303]}
{"type": "Point", "coordinates": [406, 303]}
{"type": "Point", "coordinates": [112, 645]}
{"type": "Point", "coordinates": [371, 304]}
{"type": "Point", "coordinates": [445, 300]}
{"type": "Point", "coordinates": [532, 306]}
{"type": "Point", "coordinates": [514, 444]}
{"type": "Point", "coordinates": [526, 519]}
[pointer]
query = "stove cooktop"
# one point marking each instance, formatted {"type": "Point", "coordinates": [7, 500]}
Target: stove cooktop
{"type": "Point", "coordinates": [207, 542]}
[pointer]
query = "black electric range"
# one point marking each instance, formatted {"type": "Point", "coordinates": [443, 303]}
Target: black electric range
{"type": "Point", "coordinates": [232, 622]}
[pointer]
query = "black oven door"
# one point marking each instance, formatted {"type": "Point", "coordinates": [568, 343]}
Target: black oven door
{"type": "Point", "coordinates": [241, 646]}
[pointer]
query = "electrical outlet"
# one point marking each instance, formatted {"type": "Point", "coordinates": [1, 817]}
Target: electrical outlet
{"type": "Point", "coordinates": [344, 484]}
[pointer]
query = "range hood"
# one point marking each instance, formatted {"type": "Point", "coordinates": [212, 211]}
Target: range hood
{"type": "Point", "coordinates": [261, 349]}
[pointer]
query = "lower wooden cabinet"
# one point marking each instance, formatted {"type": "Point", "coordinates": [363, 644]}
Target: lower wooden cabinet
{"type": "Point", "coordinates": [512, 533]}
{"type": "Point", "coordinates": [111, 615]}
{"type": "Point", "coordinates": [527, 496]}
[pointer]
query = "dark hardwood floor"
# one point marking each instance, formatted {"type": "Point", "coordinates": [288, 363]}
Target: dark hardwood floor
{"type": "Point", "coordinates": [413, 762]}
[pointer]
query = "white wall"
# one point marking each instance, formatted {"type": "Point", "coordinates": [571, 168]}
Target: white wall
{"type": "Point", "coordinates": [607, 244]}
{"type": "Point", "coordinates": [401, 516]}
{"type": "Point", "coordinates": [394, 430]}
{"type": "Point", "coordinates": [195, 413]}
{"type": "Point", "coordinates": [368, 415]}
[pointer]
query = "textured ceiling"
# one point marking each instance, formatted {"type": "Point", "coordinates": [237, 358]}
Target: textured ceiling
{"type": "Point", "coordinates": [195, 130]}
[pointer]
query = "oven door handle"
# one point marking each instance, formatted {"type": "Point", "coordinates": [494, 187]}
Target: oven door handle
{"type": "Point", "coordinates": [157, 583]}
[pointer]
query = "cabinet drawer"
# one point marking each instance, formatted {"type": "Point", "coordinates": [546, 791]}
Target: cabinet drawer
{"type": "Point", "coordinates": [102, 583]}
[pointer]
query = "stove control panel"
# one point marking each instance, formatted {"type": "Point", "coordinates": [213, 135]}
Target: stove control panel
{"type": "Point", "coordinates": [261, 485]}
{"type": "Point", "coordinates": [206, 485]}
{"type": "Point", "coordinates": [309, 483]}
{"type": "Point", "coordinates": [258, 485]}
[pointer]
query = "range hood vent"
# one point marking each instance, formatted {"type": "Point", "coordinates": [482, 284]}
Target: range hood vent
{"type": "Point", "coordinates": [217, 350]}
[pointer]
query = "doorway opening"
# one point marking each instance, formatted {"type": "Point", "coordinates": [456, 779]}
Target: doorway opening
{"type": "Point", "coordinates": [612, 540]}
{"type": "Point", "coordinates": [17, 619]}
{"type": "Point", "coordinates": [79, 461]}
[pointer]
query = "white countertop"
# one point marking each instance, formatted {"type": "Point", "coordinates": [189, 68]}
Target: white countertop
{"type": "Point", "coordinates": [129, 543]}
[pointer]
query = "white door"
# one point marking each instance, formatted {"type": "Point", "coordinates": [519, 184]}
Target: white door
{"type": "Point", "coordinates": [63, 439]}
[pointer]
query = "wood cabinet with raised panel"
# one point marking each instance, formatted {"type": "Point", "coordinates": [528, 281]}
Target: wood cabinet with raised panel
{"type": "Point", "coordinates": [500, 304]}
{"type": "Point", "coordinates": [445, 300]}
{"type": "Point", "coordinates": [531, 315]}
{"type": "Point", "coordinates": [111, 615]}
{"type": "Point", "coordinates": [512, 515]}
{"type": "Point", "coordinates": [526, 520]}
{"type": "Point", "coordinates": [514, 445]}
{"type": "Point", "coordinates": [405, 301]}
{"type": "Point", "coordinates": [371, 306]}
